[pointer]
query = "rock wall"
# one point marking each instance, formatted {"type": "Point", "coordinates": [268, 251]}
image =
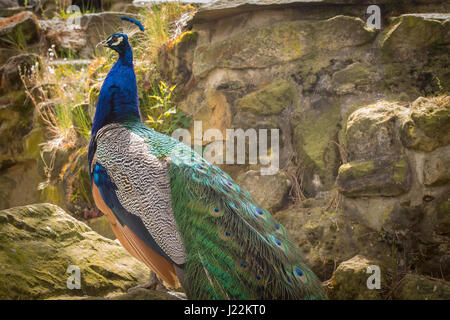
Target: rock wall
{"type": "Point", "coordinates": [363, 116]}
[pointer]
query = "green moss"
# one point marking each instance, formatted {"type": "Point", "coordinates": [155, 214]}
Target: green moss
{"type": "Point", "coordinates": [400, 171]}
{"type": "Point", "coordinates": [356, 169]}
{"type": "Point", "coordinates": [39, 242]}
{"type": "Point", "coordinates": [315, 132]}
{"type": "Point", "coordinates": [31, 143]}
{"type": "Point", "coordinates": [356, 73]}
{"type": "Point", "coordinates": [269, 100]}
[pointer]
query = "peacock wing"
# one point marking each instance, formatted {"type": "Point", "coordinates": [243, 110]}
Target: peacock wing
{"type": "Point", "coordinates": [135, 185]}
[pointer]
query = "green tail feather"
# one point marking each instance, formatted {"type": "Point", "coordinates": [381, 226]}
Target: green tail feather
{"type": "Point", "coordinates": [235, 249]}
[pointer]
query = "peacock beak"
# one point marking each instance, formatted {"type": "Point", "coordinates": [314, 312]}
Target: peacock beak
{"type": "Point", "coordinates": [103, 43]}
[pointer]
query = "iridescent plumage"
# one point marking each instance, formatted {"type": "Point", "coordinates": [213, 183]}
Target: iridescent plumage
{"type": "Point", "coordinates": [186, 213]}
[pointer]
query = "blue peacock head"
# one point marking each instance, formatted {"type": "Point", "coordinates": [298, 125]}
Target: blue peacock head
{"type": "Point", "coordinates": [119, 41]}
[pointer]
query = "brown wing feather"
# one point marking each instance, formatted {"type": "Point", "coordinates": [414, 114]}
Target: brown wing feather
{"type": "Point", "coordinates": [135, 246]}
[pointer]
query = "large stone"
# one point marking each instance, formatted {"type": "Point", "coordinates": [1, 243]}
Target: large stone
{"type": "Point", "coordinates": [19, 30]}
{"type": "Point", "coordinates": [409, 35]}
{"type": "Point", "coordinates": [429, 125]}
{"type": "Point", "coordinates": [31, 143]}
{"type": "Point", "coordinates": [349, 281]}
{"type": "Point", "coordinates": [417, 287]}
{"type": "Point", "coordinates": [379, 177]}
{"type": "Point", "coordinates": [280, 43]}
{"type": "Point", "coordinates": [356, 76]}
{"type": "Point", "coordinates": [214, 10]}
{"type": "Point", "coordinates": [39, 243]}
{"type": "Point", "coordinates": [373, 131]}
{"type": "Point", "coordinates": [269, 191]}
{"type": "Point", "coordinates": [64, 35]}
{"type": "Point", "coordinates": [383, 213]}
{"type": "Point", "coordinates": [412, 51]}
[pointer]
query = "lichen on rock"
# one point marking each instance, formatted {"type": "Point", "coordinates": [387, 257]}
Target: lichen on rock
{"type": "Point", "coordinates": [38, 244]}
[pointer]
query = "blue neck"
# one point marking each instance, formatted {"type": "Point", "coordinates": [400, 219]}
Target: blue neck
{"type": "Point", "coordinates": [126, 56]}
{"type": "Point", "coordinates": [118, 99]}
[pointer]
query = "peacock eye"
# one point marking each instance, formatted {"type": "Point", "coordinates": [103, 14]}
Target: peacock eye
{"type": "Point", "coordinates": [116, 40]}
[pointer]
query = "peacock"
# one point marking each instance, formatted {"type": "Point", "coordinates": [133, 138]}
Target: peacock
{"type": "Point", "coordinates": [185, 218]}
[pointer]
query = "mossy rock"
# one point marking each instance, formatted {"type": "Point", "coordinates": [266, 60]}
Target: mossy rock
{"type": "Point", "coordinates": [429, 125]}
{"type": "Point", "coordinates": [356, 170]}
{"type": "Point", "coordinates": [21, 28]}
{"type": "Point", "coordinates": [409, 34]}
{"type": "Point", "coordinates": [378, 177]}
{"type": "Point", "coordinates": [417, 287]}
{"type": "Point", "coordinates": [281, 43]}
{"type": "Point", "coordinates": [374, 131]}
{"type": "Point", "coordinates": [349, 281]}
{"type": "Point", "coordinates": [39, 242]}
{"type": "Point", "coordinates": [269, 100]}
{"type": "Point", "coordinates": [406, 47]}
{"type": "Point", "coordinates": [353, 77]}
{"type": "Point", "coordinates": [7, 184]}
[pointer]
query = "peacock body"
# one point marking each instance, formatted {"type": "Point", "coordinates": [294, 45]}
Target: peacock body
{"type": "Point", "coordinates": [183, 217]}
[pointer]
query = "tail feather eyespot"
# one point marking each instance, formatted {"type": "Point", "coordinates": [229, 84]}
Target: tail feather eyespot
{"type": "Point", "coordinates": [300, 274]}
